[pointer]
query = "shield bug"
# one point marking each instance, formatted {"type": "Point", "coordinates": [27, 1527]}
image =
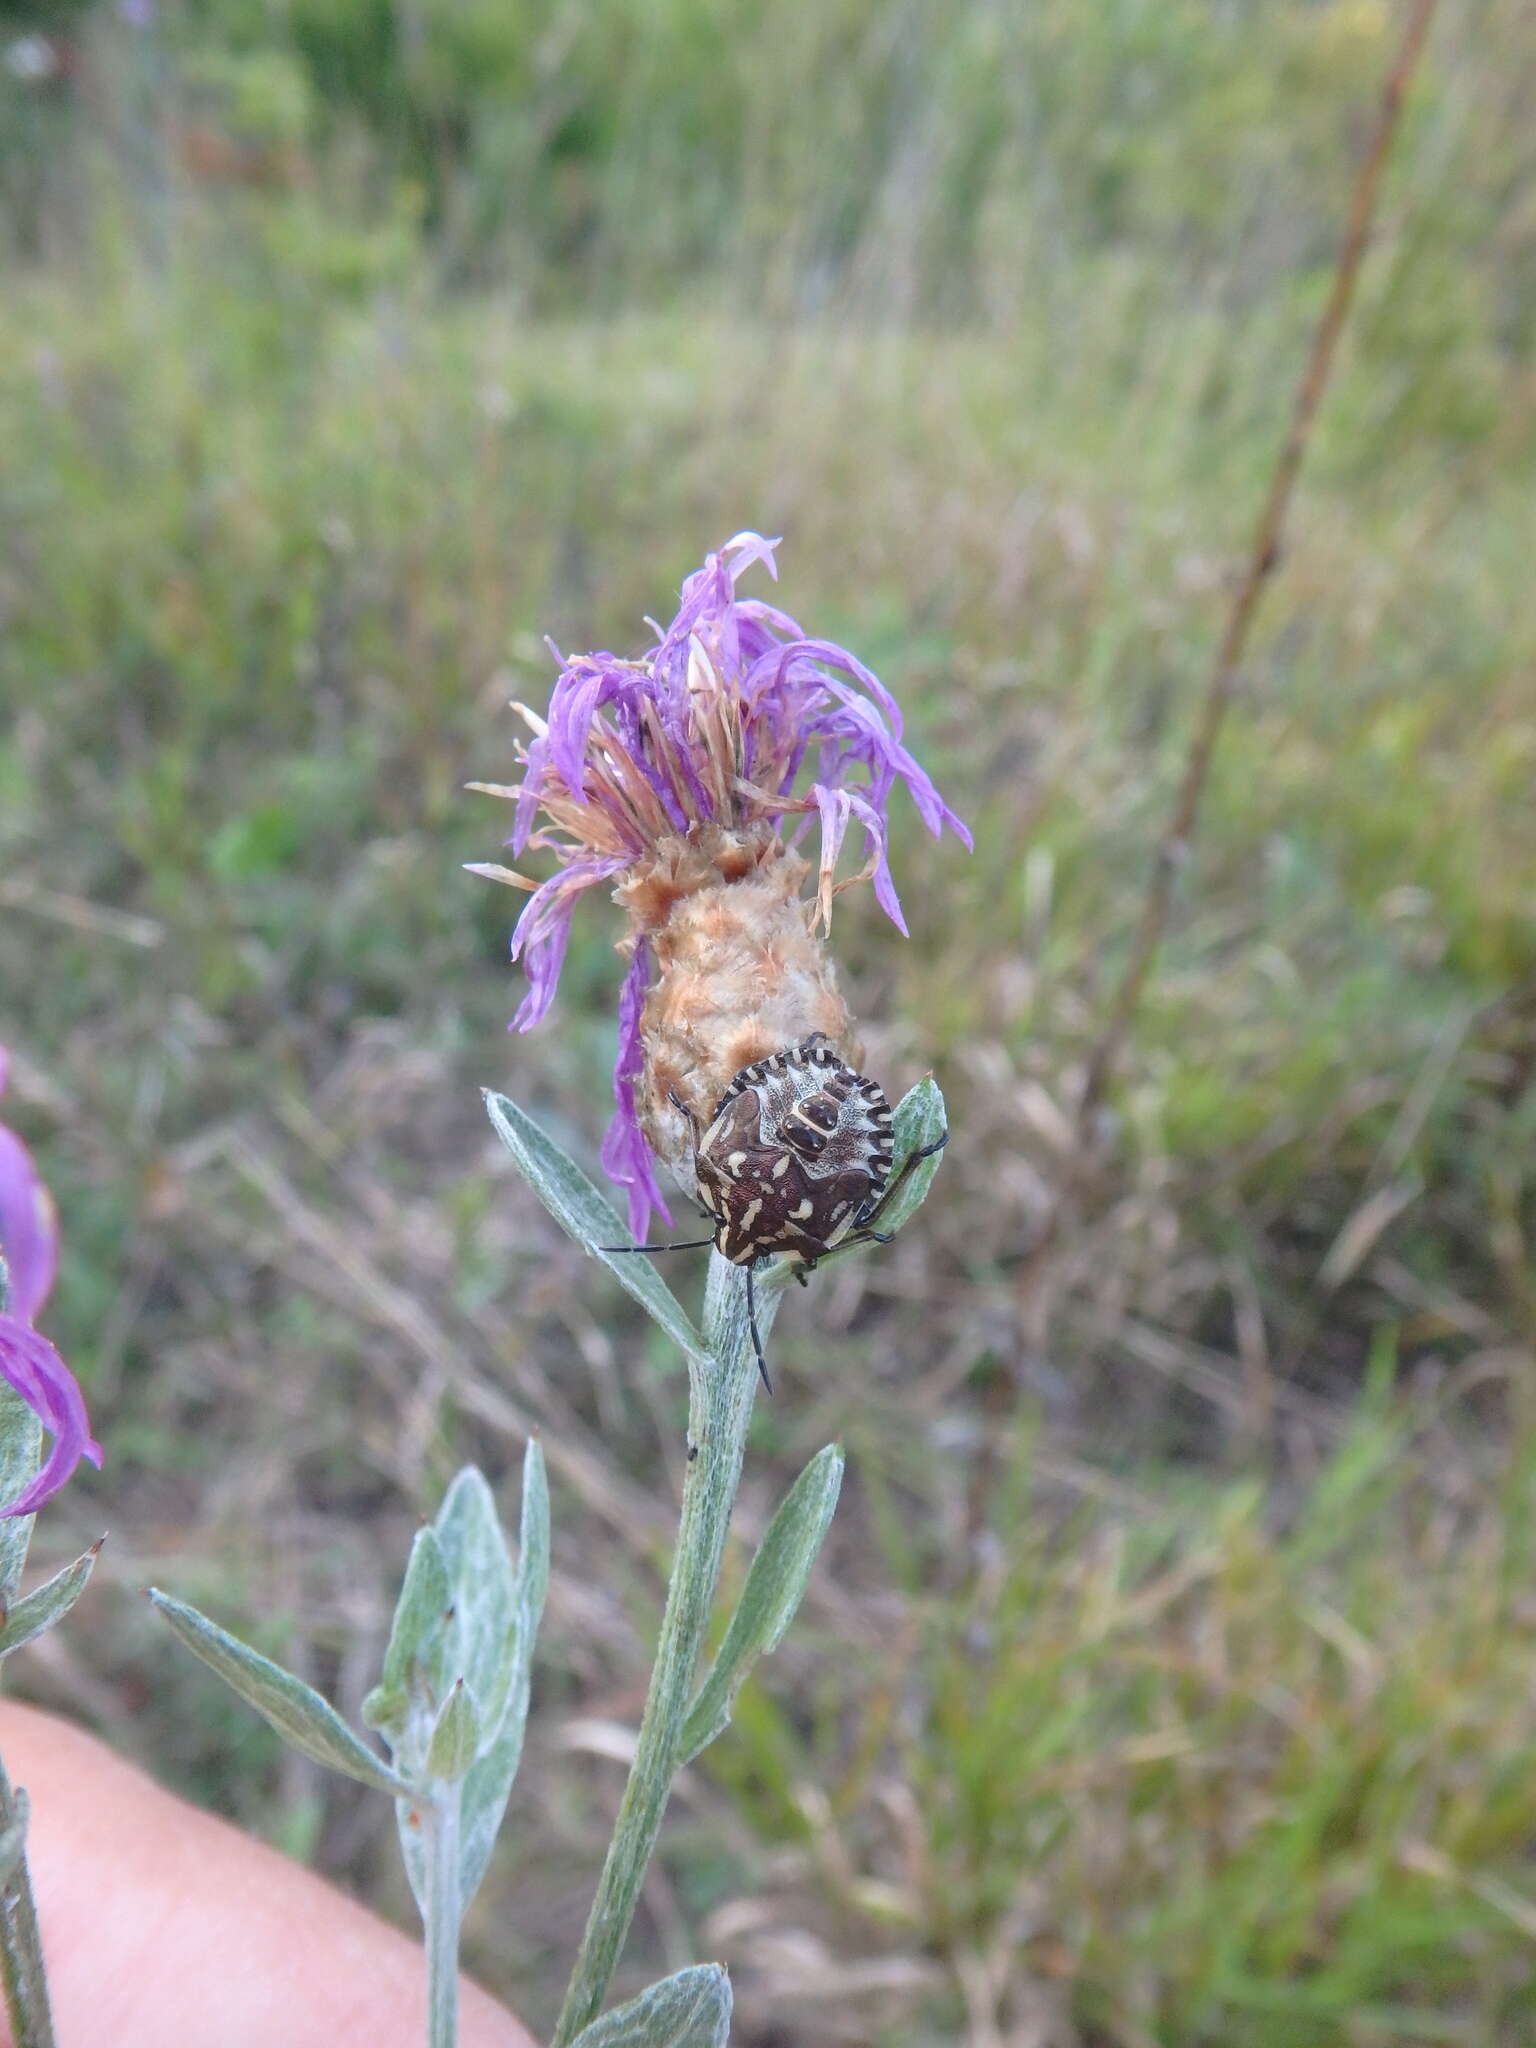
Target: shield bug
{"type": "Point", "coordinates": [794, 1160]}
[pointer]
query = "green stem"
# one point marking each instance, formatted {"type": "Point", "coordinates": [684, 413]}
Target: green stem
{"type": "Point", "coordinates": [21, 1941]}
{"type": "Point", "coordinates": [443, 1911]}
{"type": "Point", "coordinates": [22, 1974]}
{"type": "Point", "coordinates": [719, 1409]}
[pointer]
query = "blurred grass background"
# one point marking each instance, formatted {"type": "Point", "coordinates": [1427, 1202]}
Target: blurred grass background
{"type": "Point", "coordinates": [1169, 1675]}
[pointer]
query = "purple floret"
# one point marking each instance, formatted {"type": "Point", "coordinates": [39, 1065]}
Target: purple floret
{"type": "Point", "coordinates": [32, 1368]}
{"type": "Point", "coordinates": [627, 1159]}
{"type": "Point", "coordinates": [29, 1364]}
{"type": "Point", "coordinates": [29, 1238]}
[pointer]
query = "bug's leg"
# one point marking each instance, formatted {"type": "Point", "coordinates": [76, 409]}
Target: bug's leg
{"type": "Point", "coordinates": [861, 1227]}
{"type": "Point", "coordinates": [678, 1103]}
{"type": "Point", "coordinates": [757, 1342]}
{"type": "Point", "coordinates": [864, 1237]}
{"type": "Point", "coordinates": [682, 1108]}
{"type": "Point", "coordinates": [691, 1244]}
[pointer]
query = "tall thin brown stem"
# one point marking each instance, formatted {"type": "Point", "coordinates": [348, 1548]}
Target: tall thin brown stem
{"type": "Point", "coordinates": [1263, 555]}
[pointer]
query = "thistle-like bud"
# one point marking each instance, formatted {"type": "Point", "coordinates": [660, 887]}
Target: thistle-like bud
{"type": "Point", "coordinates": [670, 776]}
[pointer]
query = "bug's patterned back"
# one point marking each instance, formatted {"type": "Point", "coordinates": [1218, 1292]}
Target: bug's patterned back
{"type": "Point", "coordinates": [796, 1155]}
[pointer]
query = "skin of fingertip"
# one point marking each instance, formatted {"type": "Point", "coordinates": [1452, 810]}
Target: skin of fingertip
{"type": "Point", "coordinates": [163, 1924]}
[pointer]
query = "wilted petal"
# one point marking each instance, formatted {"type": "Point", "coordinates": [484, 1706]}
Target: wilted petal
{"type": "Point", "coordinates": [29, 1234]}
{"type": "Point", "coordinates": [838, 808]}
{"type": "Point", "coordinates": [544, 929]}
{"type": "Point", "coordinates": [526, 815]}
{"type": "Point", "coordinates": [29, 1237]}
{"type": "Point", "coordinates": [32, 1367]}
{"type": "Point", "coordinates": [627, 1159]}
{"type": "Point", "coordinates": [831, 656]}
{"type": "Point", "coordinates": [749, 547]}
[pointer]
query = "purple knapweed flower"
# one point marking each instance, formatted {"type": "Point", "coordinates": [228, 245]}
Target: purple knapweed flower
{"type": "Point", "coordinates": [29, 1247]}
{"type": "Point", "coordinates": [669, 777]}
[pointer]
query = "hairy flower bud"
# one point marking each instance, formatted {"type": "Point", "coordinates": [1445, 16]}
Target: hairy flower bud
{"type": "Point", "coordinates": [740, 973]}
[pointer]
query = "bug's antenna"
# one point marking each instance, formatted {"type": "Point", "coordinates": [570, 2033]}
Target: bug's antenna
{"type": "Point", "coordinates": [691, 1244]}
{"type": "Point", "coordinates": [757, 1342]}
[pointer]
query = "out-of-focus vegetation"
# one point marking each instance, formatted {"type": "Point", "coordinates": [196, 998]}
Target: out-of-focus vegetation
{"type": "Point", "coordinates": [1171, 1676]}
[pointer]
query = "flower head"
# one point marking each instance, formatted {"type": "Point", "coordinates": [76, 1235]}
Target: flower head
{"type": "Point", "coordinates": [29, 1247]}
{"type": "Point", "coordinates": [670, 776]}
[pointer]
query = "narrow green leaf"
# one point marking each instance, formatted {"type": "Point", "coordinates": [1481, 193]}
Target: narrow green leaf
{"type": "Point", "coordinates": [774, 1589]}
{"type": "Point", "coordinates": [21, 1452]}
{"type": "Point", "coordinates": [456, 1737]}
{"type": "Point", "coordinates": [298, 1713]}
{"type": "Point", "coordinates": [46, 1604]}
{"type": "Point", "coordinates": [690, 2010]}
{"type": "Point", "coordinates": [417, 1640]}
{"type": "Point", "coordinates": [489, 1783]}
{"type": "Point", "coordinates": [578, 1208]}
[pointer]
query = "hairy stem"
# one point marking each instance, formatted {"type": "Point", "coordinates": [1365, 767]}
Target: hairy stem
{"type": "Point", "coordinates": [719, 1409]}
{"type": "Point", "coordinates": [443, 1912]}
{"type": "Point", "coordinates": [21, 1941]}
{"type": "Point", "coordinates": [1263, 555]}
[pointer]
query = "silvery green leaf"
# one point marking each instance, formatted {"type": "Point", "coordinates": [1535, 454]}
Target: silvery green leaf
{"type": "Point", "coordinates": [21, 1452]}
{"type": "Point", "coordinates": [489, 1783]}
{"type": "Point", "coordinates": [477, 1644]}
{"type": "Point", "coordinates": [577, 1206]}
{"type": "Point", "coordinates": [482, 1585]}
{"type": "Point", "coordinates": [417, 1639]}
{"type": "Point", "coordinates": [690, 2010]}
{"type": "Point", "coordinates": [774, 1589]}
{"type": "Point", "coordinates": [455, 1739]}
{"type": "Point", "coordinates": [13, 1836]}
{"type": "Point", "coordinates": [298, 1713]}
{"type": "Point", "coordinates": [46, 1604]}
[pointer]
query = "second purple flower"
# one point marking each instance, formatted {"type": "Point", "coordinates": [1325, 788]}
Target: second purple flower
{"type": "Point", "coordinates": [29, 1364]}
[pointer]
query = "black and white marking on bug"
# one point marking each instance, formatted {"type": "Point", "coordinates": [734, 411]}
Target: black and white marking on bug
{"type": "Point", "coordinates": [795, 1160]}
{"type": "Point", "coordinates": [796, 1156]}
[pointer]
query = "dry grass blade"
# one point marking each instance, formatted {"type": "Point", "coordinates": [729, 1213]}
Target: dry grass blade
{"type": "Point", "coordinates": [1263, 557]}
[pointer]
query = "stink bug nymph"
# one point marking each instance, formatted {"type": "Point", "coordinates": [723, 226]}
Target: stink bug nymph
{"type": "Point", "coordinates": [795, 1159]}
